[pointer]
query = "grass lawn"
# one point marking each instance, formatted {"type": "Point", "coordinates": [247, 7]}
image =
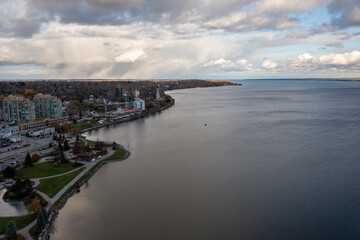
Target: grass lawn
{"type": "Point", "coordinates": [33, 233]}
{"type": "Point", "coordinates": [81, 141]}
{"type": "Point", "coordinates": [98, 154]}
{"type": "Point", "coordinates": [51, 186]}
{"type": "Point", "coordinates": [20, 222]}
{"type": "Point", "coordinates": [118, 154]}
{"type": "Point", "coordinates": [47, 169]}
{"type": "Point", "coordinates": [82, 125]}
{"type": "Point", "coordinates": [90, 142]}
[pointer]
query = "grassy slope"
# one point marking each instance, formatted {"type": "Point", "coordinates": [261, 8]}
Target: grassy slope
{"type": "Point", "coordinates": [119, 154]}
{"type": "Point", "coordinates": [46, 169]}
{"type": "Point", "coordinates": [20, 222]}
{"type": "Point", "coordinates": [51, 186]}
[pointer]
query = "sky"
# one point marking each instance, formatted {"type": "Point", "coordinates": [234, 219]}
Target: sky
{"type": "Point", "coordinates": [172, 39]}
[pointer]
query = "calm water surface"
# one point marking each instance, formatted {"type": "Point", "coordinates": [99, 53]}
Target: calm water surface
{"type": "Point", "coordinates": [277, 160]}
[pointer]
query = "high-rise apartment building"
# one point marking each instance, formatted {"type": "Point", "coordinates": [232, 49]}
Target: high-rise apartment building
{"type": "Point", "coordinates": [18, 109]}
{"type": "Point", "coordinates": [47, 106]}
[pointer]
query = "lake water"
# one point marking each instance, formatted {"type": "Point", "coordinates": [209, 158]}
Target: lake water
{"type": "Point", "coordinates": [277, 160]}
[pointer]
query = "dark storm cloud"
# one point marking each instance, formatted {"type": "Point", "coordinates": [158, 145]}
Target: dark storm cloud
{"type": "Point", "coordinates": [215, 14]}
{"type": "Point", "coordinates": [22, 28]}
{"type": "Point", "coordinates": [346, 13]}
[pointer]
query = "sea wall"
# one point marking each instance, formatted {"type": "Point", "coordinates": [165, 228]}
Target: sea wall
{"type": "Point", "coordinates": [45, 234]}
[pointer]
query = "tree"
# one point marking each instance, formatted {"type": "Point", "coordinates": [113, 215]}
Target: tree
{"type": "Point", "coordinates": [86, 148]}
{"type": "Point", "coordinates": [41, 220]}
{"type": "Point", "coordinates": [35, 158]}
{"type": "Point", "coordinates": [34, 206]}
{"type": "Point", "coordinates": [77, 148]}
{"type": "Point", "coordinates": [30, 93]}
{"type": "Point", "coordinates": [66, 127]}
{"type": "Point", "coordinates": [66, 146]}
{"type": "Point", "coordinates": [99, 145]}
{"type": "Point", "coordinates": [57, 127]}
{"type": "Point", "coordinates": [9, 172]}
{"type": "Point", "coordinates": [11, 230]}
{"type": "Point", "coordinates": [59, 153]}
{"type": "Point", "coordinates": [19, 173]}
{"type": "Point", "coordinates": [28, 161]}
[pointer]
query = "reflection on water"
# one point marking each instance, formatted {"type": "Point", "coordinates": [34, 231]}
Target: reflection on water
{"type": "Point", "coordinates": [276, 160]}
{"type": "Point", "coordinates": [11, 207]}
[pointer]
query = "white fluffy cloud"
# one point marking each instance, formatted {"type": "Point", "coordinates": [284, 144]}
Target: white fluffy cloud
{"type": "Point", "coordinates": [269, 64]}
{"type": "Point", "coordinates": [239, 65]}
{"type": "Point", "coordinates": [131, 56]}
{"type": "Point", "coordinates": [333, 60]}
{"type": "Point", "coordinates": [175, 39]}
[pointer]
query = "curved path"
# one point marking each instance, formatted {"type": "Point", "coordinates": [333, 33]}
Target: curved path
{"type": "Point", "coordinates": [88, 165]}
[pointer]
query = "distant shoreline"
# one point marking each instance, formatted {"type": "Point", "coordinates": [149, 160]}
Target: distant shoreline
{"type": "Point", "coordinates": [170, 80]}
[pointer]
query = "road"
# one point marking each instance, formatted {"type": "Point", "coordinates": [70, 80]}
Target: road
{"type": "Point", "coordinates": [88, 165]}
{"type": "Point", "coordinates": [38, 146]}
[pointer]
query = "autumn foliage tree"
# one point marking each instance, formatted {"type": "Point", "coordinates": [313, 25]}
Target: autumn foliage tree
{"type": "Point", "coordinates": [99, 145]}
{"type": "Point", "coordinates": [77, 148]}
{"type": "Point", "coordinates": [34, 206]}
{"type": "Point", "coordinates": [29, 93]}
{"type": "Point", "coordinates": [35, 158]}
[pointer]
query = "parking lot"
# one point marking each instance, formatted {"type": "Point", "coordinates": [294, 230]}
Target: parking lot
{"type": "Point", "coordinates": [17, 152]}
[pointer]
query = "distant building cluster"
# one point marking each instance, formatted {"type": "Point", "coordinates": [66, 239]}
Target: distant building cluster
{"type": "Point", "coordinates": [17, 109]}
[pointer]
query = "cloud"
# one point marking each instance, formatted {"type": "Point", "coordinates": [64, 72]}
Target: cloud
{"type": "Point", "coordinates": [239, 65]}
{"type": "Point", "coordinates": [347, 60]}
{"type": "Point", "coordinates": [345, 13]}
{"type": "Point", "coordinates": [171, 38]}
{"type": "Point", "coordinates": [130, 56]}
{"type": "Point", "coordinates": [269, 64]}
{"type": "Point", "coordinates": [231, 15]}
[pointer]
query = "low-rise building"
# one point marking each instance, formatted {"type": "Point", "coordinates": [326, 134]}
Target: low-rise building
{"type": "Point", "coordinates": [42, 132]}
{"type": "Point", "coordinates": [8, 130]}
{"type": "Point", "coordinates": [15, 139]}
{"type": "Point", "coordinates": [85, 156]}
{"type": "Point", "coordinates": [46, 123]}
{"type": "Point", "coordinates": [139, 104]}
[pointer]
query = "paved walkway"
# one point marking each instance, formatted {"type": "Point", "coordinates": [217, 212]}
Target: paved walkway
{"type": "Point", "coordinates": [88, 165]}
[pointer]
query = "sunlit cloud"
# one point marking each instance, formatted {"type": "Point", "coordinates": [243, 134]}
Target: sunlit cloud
{"type": "Point", "coordinates": [172, 39]}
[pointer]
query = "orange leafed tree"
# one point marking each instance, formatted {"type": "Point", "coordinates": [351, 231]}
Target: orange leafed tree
{"type": "Point", "coordinates": [30, 93]}
{"type": "Point", "coordinates": [34, 206]}
{"type": "Point", "coordinates": [35, 158]}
